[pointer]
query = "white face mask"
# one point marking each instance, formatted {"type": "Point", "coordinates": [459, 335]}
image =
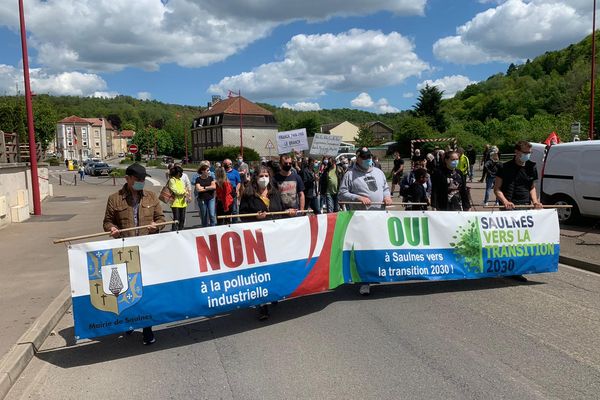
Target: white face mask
{"type": "Point", "coordinates": [263, 182]}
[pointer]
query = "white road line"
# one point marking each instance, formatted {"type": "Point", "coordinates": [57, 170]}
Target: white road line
{"type": "Point", "coordinates": [154, 182]}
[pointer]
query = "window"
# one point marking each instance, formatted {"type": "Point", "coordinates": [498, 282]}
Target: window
{"type": "Point", "coordinates": [84, 144]}
{"type": "Point", "coordinates": [97, 144]}
{"type": "Point", "coordinates": [96, 133]}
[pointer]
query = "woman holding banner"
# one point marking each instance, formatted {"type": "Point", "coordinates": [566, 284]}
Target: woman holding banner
{"type": "Point", "coordinates": [261, 197]}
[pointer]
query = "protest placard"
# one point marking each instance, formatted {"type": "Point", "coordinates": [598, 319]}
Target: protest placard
{"type": "Point", "coordinates": [289, 141]}
{"type": "Point", "coordinates": [324, 144]}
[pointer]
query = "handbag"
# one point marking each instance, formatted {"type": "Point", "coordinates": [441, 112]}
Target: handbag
{"type": "Point", "coordinates": [166, 195]}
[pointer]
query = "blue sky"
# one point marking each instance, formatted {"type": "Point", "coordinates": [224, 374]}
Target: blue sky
{"type": "Point", "coordinates": [373, 55]}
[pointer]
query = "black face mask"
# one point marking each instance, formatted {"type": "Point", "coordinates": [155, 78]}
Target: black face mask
{"type": "Point", "coordinates": [286, 168]}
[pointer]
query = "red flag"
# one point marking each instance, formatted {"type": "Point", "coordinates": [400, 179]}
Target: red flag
{"type": "Point", "coordinates": [552, 139]}
{"type": "Point", "coordinates": [74, 135]}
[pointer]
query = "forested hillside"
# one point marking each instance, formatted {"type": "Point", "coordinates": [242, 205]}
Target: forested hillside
{"type": "Point", "coordinates": [528, 101]}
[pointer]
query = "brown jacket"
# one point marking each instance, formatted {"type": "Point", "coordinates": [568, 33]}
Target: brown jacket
{"type": "Point", "coordinates": [119, 211]}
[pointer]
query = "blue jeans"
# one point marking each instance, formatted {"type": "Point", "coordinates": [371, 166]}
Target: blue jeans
{"type": "Point", "coordinates": [314, 204]}
{"type": "Point", "coordinates": [208, 213]}
{"type": "Point", "coordinates": [489, 185]}
{"type": "Point", "coordinates": [332, 203]}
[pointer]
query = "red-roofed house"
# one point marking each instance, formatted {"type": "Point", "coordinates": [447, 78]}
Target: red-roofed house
{"type": "Point", "coordinates": [82, 138]}
{"type": "Point", "coordinates": [121, 141]}
{"type": "Point", "coordinates": [220, 126]}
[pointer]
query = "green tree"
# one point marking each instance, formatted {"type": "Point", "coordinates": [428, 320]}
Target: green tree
{"type": "Point", "coordinates": [365, 137]}
{"type": "Point", "coordinates": [429, 106]}
{"type": "Point", "coordinates": [44, 119]}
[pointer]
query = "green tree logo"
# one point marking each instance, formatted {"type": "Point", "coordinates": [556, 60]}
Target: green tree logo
{"type": "Point", "coordinates": [468, 246]}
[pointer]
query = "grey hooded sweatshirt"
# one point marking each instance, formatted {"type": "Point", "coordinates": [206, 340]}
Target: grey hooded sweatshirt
{"type": "Point", "coordinates": [369, 183]}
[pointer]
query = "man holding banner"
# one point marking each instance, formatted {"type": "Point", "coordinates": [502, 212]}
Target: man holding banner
{"type": "Point", "coordinates": [366, 185]}
{"type": "Point", "coordinates": [130, 207]}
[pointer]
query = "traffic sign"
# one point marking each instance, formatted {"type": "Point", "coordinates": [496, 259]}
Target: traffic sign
{"type": "Point", "coordinates": [269, 145]}
{"type": "Point", "coordinates": [133, 148]}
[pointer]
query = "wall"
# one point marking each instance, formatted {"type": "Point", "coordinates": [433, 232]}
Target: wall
{"type": "Point", "coordinates": [15, 186]}
{"type": "Point", "coordinates": [255, 138]}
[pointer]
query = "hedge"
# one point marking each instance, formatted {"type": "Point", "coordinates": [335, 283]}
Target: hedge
{"type": "Point", "coordinates": [231, 152]}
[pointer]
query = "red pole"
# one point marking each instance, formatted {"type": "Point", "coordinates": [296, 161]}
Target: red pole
{"type": "Point", "coordinates": [35, 182]}
{"type": "Point", "coordinates": [241, 135]}
{"type": "Point", "coordinates": [592, 89]}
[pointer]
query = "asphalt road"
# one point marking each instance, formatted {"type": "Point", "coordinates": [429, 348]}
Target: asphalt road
{"type": "Point", "coordinates": [492, 339]}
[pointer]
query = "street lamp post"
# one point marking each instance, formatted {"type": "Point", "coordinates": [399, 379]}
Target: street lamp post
{"type": "Point", "coordinates": [35, 182]}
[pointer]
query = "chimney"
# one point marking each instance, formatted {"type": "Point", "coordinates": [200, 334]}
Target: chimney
{"type": "Point", "coordinates": [215, 99]}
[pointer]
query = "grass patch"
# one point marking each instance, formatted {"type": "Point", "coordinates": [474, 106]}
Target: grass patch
{"type": "Point", "coordinates": [118, 172]}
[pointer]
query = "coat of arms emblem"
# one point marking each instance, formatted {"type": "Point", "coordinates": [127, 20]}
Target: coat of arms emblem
{"type": "Point", "coordinates": [115, 277]}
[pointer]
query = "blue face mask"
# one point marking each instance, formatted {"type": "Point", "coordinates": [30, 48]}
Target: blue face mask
{"type": "Point", "coordinates": [525, 157]}
{"type": "Point", "coordinates": [138, 185]}
{"type": "Point", "coordinates": [454, 163]}
{"type": "Point", "coordinates": [366, 164]}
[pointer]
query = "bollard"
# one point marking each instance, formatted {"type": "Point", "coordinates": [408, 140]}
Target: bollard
{"type": "Point", "coordinates": [75, 179]}
{"type": "Point", "coordinates": [59, 180]}
{"type": "Point", "coordinates": [114, 181]}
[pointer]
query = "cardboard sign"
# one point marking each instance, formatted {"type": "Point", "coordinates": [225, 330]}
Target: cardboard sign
{"type": "Point", "coordinates": [325, 145]}
{"type": "Point", "coordinates": [289, 141]}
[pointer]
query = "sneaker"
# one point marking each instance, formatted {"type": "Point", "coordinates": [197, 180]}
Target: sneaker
{"type": "Point", "coordinates": [518, 278]}
{"type": "Point", "coordinates": [148, 336]}
{"type": "Point", "coordinates": [365, 290]}
{"type": "Point", "coordinates": [263, 312]}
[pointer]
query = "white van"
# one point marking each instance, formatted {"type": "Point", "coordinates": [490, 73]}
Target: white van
{"type": "Point", "coordinates": [570, 174]}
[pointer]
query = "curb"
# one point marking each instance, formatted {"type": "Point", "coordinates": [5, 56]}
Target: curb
{"type": "Point", "coordinates": [17, 359]}
{"type": "Point", "coordinates": [574, 262]}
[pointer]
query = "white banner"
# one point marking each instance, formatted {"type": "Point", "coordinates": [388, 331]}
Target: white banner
{"type": "Point", "coordinates": [324, 144]}
{"type": "Point", "coordinates": [289, 141]}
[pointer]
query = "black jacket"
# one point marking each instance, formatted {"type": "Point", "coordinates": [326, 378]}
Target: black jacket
{"type": "Point", "coordinates": [439, 190]}
{"type": "Point", "coordinates": [253, 204]}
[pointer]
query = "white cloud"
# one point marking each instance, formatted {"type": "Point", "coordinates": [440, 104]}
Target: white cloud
{"type": "Point", "coordinates": [349, 61]}
{"type": "Point", "coordinates": [516, 30]}
{"type": "Point", "coordinates": [105, 95]}
{"type": "Point", "coordinates": [144, 95]}
{"type": "Point", "coordinates": [65, 83]}
{"type": "Point", "coordinates": [302, 106]}
{"type": "Point", "coordinates": [111, 35]}
{"type": "Point", "coordinates": [408, 95]}
{"type": "Point", "coordinates": [380, 106]}
{"type": "Point", "coordinates": [448, 84]}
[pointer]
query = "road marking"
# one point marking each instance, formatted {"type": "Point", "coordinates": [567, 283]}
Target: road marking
{"type": "Point", "coordinates": [154, 182]}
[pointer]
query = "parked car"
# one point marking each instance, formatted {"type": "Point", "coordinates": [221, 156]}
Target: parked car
{"type": "Point", "coordinates": [88, 164]}
{"type": "Point", "coordinates": [570, 174]}
{"type": "Point", "coordinates": [121, 155]}
{"type": "Point", "coordinates": [101, 168]}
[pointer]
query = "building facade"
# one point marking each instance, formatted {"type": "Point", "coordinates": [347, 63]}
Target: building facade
{"type": "Point", "coordinates": [121, 141]}
{"type": "Point", "coordinates": [220, 126]}
{"type": "Point", "coordinates": [82, 138]}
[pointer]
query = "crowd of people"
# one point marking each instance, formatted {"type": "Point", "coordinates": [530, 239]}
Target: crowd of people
{"type": "Point", "coordinates": [229, 192]}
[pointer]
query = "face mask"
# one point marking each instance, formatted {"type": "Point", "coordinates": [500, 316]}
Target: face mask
{"type": "Point", "coordinates": [251, 171]}
{"type": "Point", "coordinates": [525, 157]}
{"type": "Point", "coordinates": [345, 165]}
{"type": "Point", "coordinates": [286, 168]}
{"type": "Point", "coordinates": [138, 185]}
{"type": "Point", "coordinates": [240, 160]}
{"type": "Point", "coordinates": [263, 182]}
{"type": "Point", "coordinates": [453, 164]}
{"type": "Point", "coordinates": [325, 162]}
{"type": "Point", "coordinates": [366, 164]}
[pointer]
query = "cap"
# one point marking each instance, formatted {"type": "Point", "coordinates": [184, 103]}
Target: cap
{"type": "Point", "coordinates": [136, 170]}
{"type": "Point", "coordinates": [364, 152]}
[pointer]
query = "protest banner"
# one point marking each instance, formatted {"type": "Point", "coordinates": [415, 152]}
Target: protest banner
{"type": "Point", "coordinates": [289, 141]}
{"type": "Point", "coordinates": [130, 283]}
{"type": "Point", "coordinates": [324, 144]}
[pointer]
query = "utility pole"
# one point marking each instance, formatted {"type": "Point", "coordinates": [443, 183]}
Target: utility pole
{"type": "Point", "coordinates": [593, 77]}
{"type": "Point", "coordinates": [35, 181]}
{"type": "Point", "coordinates": [241, 122]}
